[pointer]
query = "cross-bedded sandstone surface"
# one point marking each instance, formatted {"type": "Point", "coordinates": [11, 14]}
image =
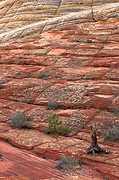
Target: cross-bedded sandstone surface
{"type": "Point", "coordinates": [76, 65]}
{"type": "Point", "coordinates": [19, 19]}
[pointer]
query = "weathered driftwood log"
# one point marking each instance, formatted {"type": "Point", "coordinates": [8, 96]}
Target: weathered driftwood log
{"type": "Point", "coordinates": [95, 148]}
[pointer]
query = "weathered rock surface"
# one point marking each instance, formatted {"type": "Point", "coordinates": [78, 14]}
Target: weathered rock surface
{"type": "Point", "coordinates": [19, 19]}
{"type": "Point", "coordinates": [16, 162]}
{"type": "Point", "coordinates": [76, 65]}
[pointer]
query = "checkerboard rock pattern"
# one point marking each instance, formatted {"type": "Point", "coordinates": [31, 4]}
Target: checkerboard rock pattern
{"type": "Point", "coordinates": [67, 52]}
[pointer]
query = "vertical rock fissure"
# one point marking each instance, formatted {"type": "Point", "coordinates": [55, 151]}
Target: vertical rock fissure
{"type": "Point", "coordinates": [58, 6]}
{"type": "Point", "coordinates": [92, 11]}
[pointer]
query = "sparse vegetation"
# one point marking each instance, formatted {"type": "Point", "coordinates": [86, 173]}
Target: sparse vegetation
{"type": "Point", "coordinates": [19, 120]}
{"type": "Point", "coordinates": [25, 101]}
{"type": "Point", "coordinates": [15, 100]}
{"type": "Point", "coordinates": [104, 42]}
{"type": "Point", "coordinates": [113, 133]}
{"type": "Point", "coordinates": [116, 27]}
{"type": "Point", "coordinates": [42, 76]}
{"type": "Point", "coordinates": [86, 85]}
{"type": "Point", "coordinates": [12, 62]}
{"type": "Point", "coordinates": [25, 62]}
{"type": "Point", "coordinates": [18, 63]}
{"type": "Point", "coordinates": [52, 105]}
{"type": "Point", "coordinates": [4, 81]}
{"type": "Point", "coordinates": [115, 110]}
{"type": "Point", "coordinates": [88, 107]}
{"type": "Point", "coordinates": [55, 126]}
{"type": "Point", "coordinates": [68, 162]}
{"type": "Point", "coordinates": [28, 76]}
{"type": "Point", "coordinates": [64, 54]}
{"type": "Point", "coordinates": [113, 66]}
{"type": "Point", "coordinates": [1, 86]}
{"type": "Point", "coordinates": [89, 41]}
{"type": "Point", "coordinates": [98, 111]}
{"type": "Point", "coordinates": [26, 54]}
{"type": "Point", "coordinates": [86, 78]}
{"type": "Point", "coordinates": [18, 73]}
{"type": "Point", "coordinates": [77, 40]}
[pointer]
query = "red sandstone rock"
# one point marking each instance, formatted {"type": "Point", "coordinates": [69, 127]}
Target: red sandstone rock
{"type": "Point", "coordinates": [79, 69]}
{"type": "Point", "coordinates": [15, 162]}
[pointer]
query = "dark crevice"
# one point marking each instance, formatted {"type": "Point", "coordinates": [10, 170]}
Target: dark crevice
{"type": "Point", "coordinates": [92, 11]}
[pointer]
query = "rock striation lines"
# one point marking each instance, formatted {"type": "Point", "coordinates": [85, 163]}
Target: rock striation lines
{"type": "Point", "coordinates": [70, 55]}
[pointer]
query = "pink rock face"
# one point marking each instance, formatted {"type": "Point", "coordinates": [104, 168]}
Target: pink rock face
{"type": "Point", "coordinates": [77, 67]}
{"type": "Point", "coordinates": [16, 162]}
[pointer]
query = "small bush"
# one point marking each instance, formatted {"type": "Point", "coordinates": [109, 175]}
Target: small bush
{"type": "Point", "coordinates": [25, 101]}
{"type": "Point", "coordinates": [104, 42]}
{"type": "Point", "coordinates": [115, 110]}
{"type": "Point", "coordinates": [42, 76]}
{"type": "Point", "coordinates": [19, 120]}
{"type": "Point", "coordinates": [86, 78]}
{"type": "Point", "coordinates": [4, 81]}
{"type": "Point", "coordinates": [27, 54]}
{"type": "Point", "coordinates": [55, 126]}
{"type": "Point", "coordinates": [89, 41]}
{"type": "Point", "coordinates": [67, 162]}
{"type": "Point", "coordinates": [24, 62]}
{"type": "Point", "coordinates": [18, 63]}
{"type": "Point", "coordinates": [28, 76]}
{"type": "Point", "coordinates": [113, 66]}
{"type": "Point", "coordinates": [52, 105]}
{"type": "Point", "coordinates": [77, 40]}
{"type": "Point", "coordinates": [116, 27]}
{"type": "Point", "coordinates": [98, 111]}
{"type": "Point", "coordinates": [113, 133]}
{"type": "Point", "coordinates": [1, 86]}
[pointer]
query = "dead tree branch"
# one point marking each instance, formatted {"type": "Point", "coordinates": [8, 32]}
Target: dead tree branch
{"type": "Point", "coordinates": [95, 148]}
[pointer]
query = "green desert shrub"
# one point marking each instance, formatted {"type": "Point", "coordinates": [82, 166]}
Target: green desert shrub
{"type": "Point", "coordinates": [68, 162]}
{"type": "Point", "coordinates": [113, 133]}
{"type": "Point", "coordinates": [4, 81]}
{"type": "Point", "coordinates": [52, 105]}
{"type": "Point", "coordinates": [55, 126]}
{"type": "Point", "coordinates": [1, 86]}
{"type": "Point", "coordinates": [20, 120]}
{"type": "Point", "coordinates": [116, 27]}
{"type": "Point", "coordinates": [115, 110]}
{"type": "Point", "coordinates": [28, 76]}
{"type": "Point", "coordinates": [42, 76]}
{"type": "Point", "coordinates": [89, 41]}
{"type": "Point", "coordinates": [104, 42]}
